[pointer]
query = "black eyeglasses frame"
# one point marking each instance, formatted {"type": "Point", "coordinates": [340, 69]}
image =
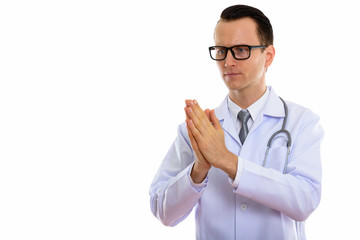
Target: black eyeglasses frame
{"type": "Point", "coordinates": [232, 52]}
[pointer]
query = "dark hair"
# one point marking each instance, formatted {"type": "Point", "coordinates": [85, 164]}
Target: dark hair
{"type": "Point", "coordinates": [264, 27]}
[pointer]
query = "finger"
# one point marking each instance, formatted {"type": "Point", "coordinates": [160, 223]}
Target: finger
{"type": "Point", "coordinates": [195, 119]}
{"type": "Point", "coordinates": [194, 131]}
{"type": "Point", "coordinates": [186, 114]}
{"type": "Point", "coordinates": [214, 119]}
{"type": "Point", "coordinates": [193, 104]}
{"type": "Point", "coordinates": [199, 156]}
{"type": "Point", "coordinates": [207, 112]}
{"type": "Point", "coordinates": [189, 109]}
{"type": "Point", "coordinates": [202, 116]}
{"type": "Point", "coordinates": [192, 139]}
{"type": "Point", "coordinates": [196, 108]}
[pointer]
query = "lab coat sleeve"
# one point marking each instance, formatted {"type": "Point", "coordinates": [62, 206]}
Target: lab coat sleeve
{"type": "Point", "coordinates": [297, 193]}
{"type": "Point", "coordinates": [172, 193]}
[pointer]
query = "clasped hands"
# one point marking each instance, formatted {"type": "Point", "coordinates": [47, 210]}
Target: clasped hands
{"type": "Point", "coordinates": [207, 140]}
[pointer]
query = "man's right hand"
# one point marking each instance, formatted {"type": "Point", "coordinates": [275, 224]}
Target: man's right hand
{"type": "Point", "coordinates": [201, 166]}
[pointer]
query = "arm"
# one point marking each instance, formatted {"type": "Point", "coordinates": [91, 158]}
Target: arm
{"type": "Point", "coordinates": [173, 194]}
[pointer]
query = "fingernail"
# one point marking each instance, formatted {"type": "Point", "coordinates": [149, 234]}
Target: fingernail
{"type": "Point", "coordinates": [195, 102]}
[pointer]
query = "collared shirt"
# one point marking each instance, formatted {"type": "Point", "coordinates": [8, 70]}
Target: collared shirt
{"type": "Point", "coordinates": [254, 110]}
{"type": "Point", "coordinates": [265, 204]}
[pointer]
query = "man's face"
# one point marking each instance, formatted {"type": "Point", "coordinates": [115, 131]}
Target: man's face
{"type": "Point", "coordinates": [240, 75]}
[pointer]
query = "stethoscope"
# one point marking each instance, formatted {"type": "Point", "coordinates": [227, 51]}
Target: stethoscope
{"type": "Point", "coordinates": [282, 130]}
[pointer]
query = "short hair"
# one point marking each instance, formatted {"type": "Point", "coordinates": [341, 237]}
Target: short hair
{"type": "Point", "coordinates": [264, 28]}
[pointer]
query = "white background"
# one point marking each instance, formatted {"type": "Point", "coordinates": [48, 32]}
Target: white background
{"type": "Point", "coordinates": [92, 92]}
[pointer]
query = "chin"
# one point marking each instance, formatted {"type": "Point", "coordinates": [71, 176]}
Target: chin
{"type": "Point", "coordinates": [235, 84]}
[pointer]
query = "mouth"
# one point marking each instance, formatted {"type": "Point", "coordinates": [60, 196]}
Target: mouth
{"type": "Point", "coordinates": [230, 74]}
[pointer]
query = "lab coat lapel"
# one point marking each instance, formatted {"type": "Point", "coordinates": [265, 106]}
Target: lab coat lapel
{"type": "Point", "coordinates": [223, 114]}
{"type": "Point", "coordinates": [273, 107]}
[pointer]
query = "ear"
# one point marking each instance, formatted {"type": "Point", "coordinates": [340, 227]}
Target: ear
{"type": "Point", "coordinates": [269, 55]}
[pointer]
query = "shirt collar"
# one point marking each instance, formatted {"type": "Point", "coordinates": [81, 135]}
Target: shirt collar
{"type": "Point", "coordinates": [254, 109]}
{"type": "Point", "coordinates": [273, 107]}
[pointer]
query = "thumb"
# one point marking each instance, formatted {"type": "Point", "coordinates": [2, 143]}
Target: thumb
{"type": "Point", "coordinates": [214, 119]}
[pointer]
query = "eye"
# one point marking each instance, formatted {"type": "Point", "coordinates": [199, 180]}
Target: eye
{"type": "Point", "coordinates": [240, 49]}
{"type": "Point", "coordinates": [221, 52]}
{"type": "Point", "coordinates": [241, 52]}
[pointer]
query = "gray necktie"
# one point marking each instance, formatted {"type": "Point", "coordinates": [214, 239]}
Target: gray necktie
{"type": "Point", "coordinates": [243, 116]}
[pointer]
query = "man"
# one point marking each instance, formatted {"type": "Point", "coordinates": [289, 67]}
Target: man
{"type": "Point", "coordinates": [245, 181]}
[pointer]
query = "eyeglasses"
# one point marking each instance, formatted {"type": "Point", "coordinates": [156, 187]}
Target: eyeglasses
{"type": "Point", "coordinates": [239, 52]}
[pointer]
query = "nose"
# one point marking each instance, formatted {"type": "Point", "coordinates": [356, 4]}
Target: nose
{"type": "Point", "coordinates": [230, 61]}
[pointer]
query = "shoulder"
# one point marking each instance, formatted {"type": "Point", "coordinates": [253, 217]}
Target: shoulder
{"type": "Point", "coordinates": [304, 119]}
{"type": "Point", "coordinates": [300, 111]}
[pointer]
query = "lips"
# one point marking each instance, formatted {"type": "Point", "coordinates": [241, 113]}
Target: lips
{"type": "Point", "coordinates": [231, 74]}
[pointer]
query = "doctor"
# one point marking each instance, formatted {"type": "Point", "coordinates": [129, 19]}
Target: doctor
{"type": "Point", "coordinates": [216, 164]}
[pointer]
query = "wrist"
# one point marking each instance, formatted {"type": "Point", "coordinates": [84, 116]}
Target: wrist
{"type": "Point", "coordinates": [231, 165]}
{"type": "Point", "coordinates": [199, 172]}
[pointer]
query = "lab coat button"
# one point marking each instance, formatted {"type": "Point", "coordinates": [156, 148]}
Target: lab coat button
{"type": "Point", "coordinates": [243, 207]}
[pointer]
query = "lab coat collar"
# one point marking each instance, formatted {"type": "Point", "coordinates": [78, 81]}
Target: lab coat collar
{"type": "Point", "coordinates": [273, 108]}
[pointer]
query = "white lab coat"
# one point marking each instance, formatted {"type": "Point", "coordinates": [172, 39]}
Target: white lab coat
{"type": "Point", "coordinates": [266, 204]}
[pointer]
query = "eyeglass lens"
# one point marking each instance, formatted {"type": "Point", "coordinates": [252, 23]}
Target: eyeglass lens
{"type": "Point", "coordinates": [220, 53]}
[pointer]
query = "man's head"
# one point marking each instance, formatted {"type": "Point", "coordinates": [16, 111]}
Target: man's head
{"type": "Point", "coordinates": [243, 25]}
{"type": "Point", "coordinates": [264, 27]}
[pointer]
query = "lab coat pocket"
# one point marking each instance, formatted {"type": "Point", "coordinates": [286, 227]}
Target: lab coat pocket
{"type": "Point", "coordinates": [276, 157]}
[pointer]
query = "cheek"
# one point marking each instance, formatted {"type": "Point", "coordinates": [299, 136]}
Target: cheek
{"type": "Point", "coordinates": [257, 67]}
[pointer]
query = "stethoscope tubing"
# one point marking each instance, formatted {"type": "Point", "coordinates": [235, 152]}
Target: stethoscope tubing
{"type": "Point", "coordinates": [286, 132]}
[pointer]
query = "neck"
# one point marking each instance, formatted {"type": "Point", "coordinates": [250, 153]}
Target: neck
{"type": "Point", "coordinates": [245, 98]}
